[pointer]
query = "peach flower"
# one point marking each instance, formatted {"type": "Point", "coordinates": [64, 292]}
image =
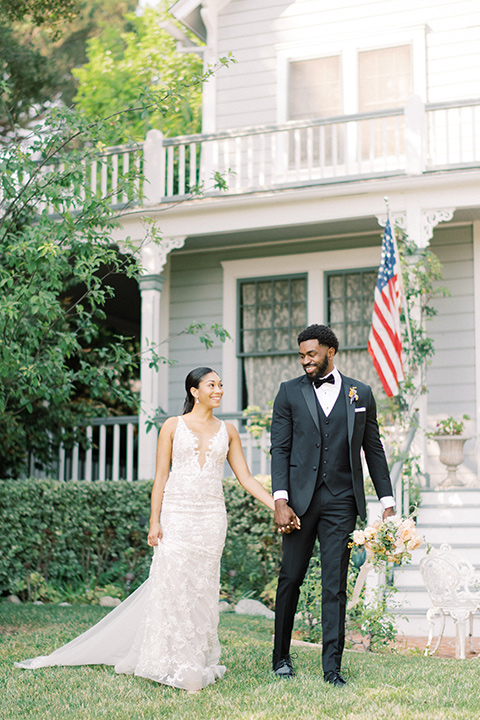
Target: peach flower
{"type": "Point", "coordinates": [358, 537]}
{"type": "Point", "coordinates": [414, 543]}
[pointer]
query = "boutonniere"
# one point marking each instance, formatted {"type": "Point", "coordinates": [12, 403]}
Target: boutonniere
{"type": "Point", "coordinates": [352, 394]}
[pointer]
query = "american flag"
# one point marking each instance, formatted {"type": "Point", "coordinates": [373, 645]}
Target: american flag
{"type": "Point", "coordinates": [385, 340]}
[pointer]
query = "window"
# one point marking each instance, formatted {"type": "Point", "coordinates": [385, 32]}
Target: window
{"type": "Point", "coordinates": [354, 80]}
{"type": "Point", "coordinates": [384, 81]}
{"type": "Point", "coordinates": [349, 304]}
{"type": "Point", "coordinates": [384, 78]}
{"type": "Point", "coordinates": [315, 88]}
{"type": "Point", "coordinates": [272, 311]}
{"type": "Point", "coordinates": [315, 91]}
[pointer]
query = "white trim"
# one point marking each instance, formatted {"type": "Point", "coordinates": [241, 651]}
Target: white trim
{"type": "Point", "coordinates": [348, 47]}
{"type": "Point", "coordinates": [183, 8]}
{"type": "Point", "coordinates": [315, 265]}
{"type": "Point", "coordinates": [476, 300]}
{"type": "Point", "coordinates": [163, 370]}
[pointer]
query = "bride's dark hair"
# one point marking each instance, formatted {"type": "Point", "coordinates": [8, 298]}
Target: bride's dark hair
{"type": "Point", "coordinates": [193, 380]}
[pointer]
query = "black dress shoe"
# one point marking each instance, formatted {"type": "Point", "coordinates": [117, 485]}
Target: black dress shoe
{"type": "Point", "coordinates": [335, 678]}
{"type": "Point", "coordinates": [283, 668]}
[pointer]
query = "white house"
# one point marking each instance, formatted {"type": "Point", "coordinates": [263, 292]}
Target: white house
{"type": "Point", "coordinates": [329, 108]}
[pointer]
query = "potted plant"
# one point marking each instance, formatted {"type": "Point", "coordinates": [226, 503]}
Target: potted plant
{"type": "Point", "coordinates": [449, 436]}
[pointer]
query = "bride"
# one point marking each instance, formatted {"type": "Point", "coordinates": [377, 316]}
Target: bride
{"type": "Point", "coordinates": [167, 629]}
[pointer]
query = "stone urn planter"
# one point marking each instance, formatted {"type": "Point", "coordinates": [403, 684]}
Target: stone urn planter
{"type": "Point", "coordinates": [451, 455]}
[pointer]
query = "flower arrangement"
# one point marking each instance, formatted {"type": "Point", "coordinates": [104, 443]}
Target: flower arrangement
{"type": "Point", "coordinates": [449, 426]}
{"type": "Point", "coordinates": [391, 540]}
{"type": "Point", "coordinates": [352, 394]}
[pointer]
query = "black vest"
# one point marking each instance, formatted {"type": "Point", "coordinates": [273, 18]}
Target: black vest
{"type": "Point", "coordinates": [334, 470]}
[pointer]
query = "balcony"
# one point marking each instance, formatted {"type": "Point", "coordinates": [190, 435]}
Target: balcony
{"type": "Point", "coordinates": [412, 140]}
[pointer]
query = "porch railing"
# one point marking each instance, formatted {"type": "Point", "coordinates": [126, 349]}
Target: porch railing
{"type": "Point", "coordinates": [401, 488]}
{"type": "Point", "coordinates": [110, 451]}
{"type": "Point", "coordinates": [412, 140]}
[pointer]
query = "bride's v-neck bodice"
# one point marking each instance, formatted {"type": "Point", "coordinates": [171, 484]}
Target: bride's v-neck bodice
{"type": "Point", "coordinates": [187, 474]}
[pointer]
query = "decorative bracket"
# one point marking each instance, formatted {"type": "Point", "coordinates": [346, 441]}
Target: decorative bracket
{"type": "Point", "coordinates": [430, 219]}
{"type": "Point", "coordinates": [396, 220]}
{"type": "Point", "coordinates": [166, 247]}
{"type": "Point", "coordinates": [154, 255]}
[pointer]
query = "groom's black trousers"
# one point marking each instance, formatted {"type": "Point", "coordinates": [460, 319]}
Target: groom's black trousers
{"type": "Point", "coordinates": [332, 519]}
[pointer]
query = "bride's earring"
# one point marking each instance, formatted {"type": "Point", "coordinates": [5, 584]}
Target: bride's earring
{"type": "Point", "coordinates": [197, 400]}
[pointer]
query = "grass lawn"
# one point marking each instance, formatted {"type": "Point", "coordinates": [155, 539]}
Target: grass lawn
{"type": "Point", "coordinates": [404, 687]}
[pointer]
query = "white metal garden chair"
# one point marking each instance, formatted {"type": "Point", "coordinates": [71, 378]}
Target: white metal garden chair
{"type": "Point", "coordinates": [454, 589]}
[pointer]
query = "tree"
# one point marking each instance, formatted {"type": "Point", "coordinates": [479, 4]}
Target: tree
{"type": "Point", "coordinates": [38, 11]}
{"type": "Point", "coordinates": [143, 57]}
{"type": "Point", "coordinates": [66, 45]}
{"type": "Point", "coordinates": [26, 80]}
{"type": "Point", "coordinates": [50, 244]}
{"type": "Point", "coordinates": [41, 41]}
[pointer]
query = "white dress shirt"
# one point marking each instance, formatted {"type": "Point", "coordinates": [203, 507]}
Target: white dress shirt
{"type": "Point", "coordinates": [327, 395]}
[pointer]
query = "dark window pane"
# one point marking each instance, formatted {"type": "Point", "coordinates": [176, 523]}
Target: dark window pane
{"type": "Point", "coordinates": [350, 304]}
{"type": "Point", "coordinates": [271, 314]}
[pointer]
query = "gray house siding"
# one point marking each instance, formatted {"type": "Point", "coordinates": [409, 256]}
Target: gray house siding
{"type": "Point", "coordinates": [452, 329]}
{"type": "Point", "coordinates": [195, 296]}
{"type": "Point", "coordinates": [451, 378]}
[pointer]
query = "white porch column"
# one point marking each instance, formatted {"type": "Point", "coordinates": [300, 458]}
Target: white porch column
{"type": "Point", "coordinates": [153, 332]}
{"type": "Point", "coordinates": [150, 290]}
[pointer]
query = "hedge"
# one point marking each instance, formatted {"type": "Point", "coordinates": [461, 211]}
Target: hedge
{"type": "Point", "coordinates": [253, 548]}
{"type": "Point", "coordinates": [66, 540]}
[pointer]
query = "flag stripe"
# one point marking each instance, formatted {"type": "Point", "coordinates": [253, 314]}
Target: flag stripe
{"type": "Point", "coordinates": [385, 340]}
{"type": "Point", "coordinates": [381, 326]}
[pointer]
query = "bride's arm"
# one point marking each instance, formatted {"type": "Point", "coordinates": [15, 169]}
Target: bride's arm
{"type": "Point", "coordinates": [236, 460]}
{"type": "Point", "coordinates": [164, 457]}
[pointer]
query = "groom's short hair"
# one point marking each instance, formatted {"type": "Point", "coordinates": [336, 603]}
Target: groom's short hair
{"type": "Point", "coordinates": [322, 333]}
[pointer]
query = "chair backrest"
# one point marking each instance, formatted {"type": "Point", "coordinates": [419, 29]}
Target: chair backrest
{"type": "Point", "coordinates": [446, 577]}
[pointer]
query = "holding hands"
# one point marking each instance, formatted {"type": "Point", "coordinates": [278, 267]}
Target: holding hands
{"type": "Point", "coordinates": [286, 519]}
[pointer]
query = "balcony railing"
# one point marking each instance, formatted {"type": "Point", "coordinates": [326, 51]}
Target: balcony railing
{"type": "Point", "coordinates": [410, 140]}
{"type": "Point", "coordinates": [110, 451]}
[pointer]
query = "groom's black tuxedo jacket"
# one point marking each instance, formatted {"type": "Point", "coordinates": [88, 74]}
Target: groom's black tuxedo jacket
{"type": "Point", "coordinates": [296, 442]}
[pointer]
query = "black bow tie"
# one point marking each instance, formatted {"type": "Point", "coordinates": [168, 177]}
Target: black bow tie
{"type": "Point", "coordinates": [319, 381]}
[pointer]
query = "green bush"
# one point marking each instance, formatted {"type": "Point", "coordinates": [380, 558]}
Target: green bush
{"type": "Point", "coordinates": [253, 548]}
{"type": "Point", "coordinates": [64, 539]}
{"type": "Point", "coordinates": [74, 540]}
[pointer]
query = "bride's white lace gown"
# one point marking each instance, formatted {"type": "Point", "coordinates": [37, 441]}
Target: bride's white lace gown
{"type": "Point", "coordinates": [167, 629]}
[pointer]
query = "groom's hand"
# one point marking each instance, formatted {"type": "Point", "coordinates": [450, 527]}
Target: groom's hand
{"type": "Point", "coordinates": [388, 512]}
{"type": "Point", "coordinates": [285, 518]}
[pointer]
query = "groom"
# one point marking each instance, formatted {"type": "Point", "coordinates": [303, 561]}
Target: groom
{"type": "Point", "coordinates": [320, 423]}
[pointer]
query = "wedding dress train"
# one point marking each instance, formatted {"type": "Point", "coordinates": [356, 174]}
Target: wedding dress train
{"type": "Point", "coordinates": [167, 629]}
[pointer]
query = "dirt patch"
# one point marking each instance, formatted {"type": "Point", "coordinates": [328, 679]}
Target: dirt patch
{"type": "Point", "coordinates": [446, 648]}
{"type": "Point", "coordinates": [406, 644]}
